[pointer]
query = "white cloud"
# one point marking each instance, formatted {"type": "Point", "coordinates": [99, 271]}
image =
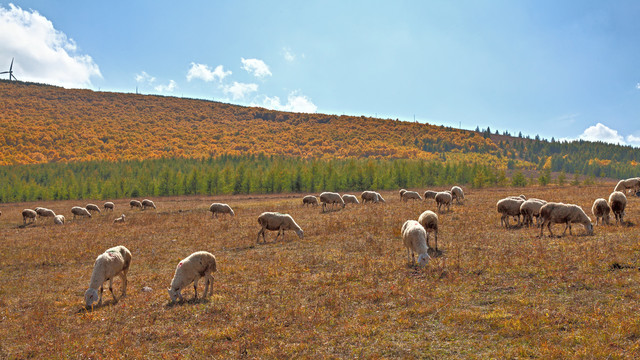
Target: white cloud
{"type": "Point", "coordinates": [204, 72]}
{"type": "Point", "coordinates": [42, 53]}
{"type": "Point", "coordinates": [239, 90]}
{"type": "Point", "coordinates": [256, 67]}
{"type": "Point", "coordinates": [295, 103]}
{"type": "Point", "coordinates": [634, 140]}
{"type": "Point", "coordinates": [145, 78]}
{"type": "Point", "coordinates": [288, 55]}
{"type": "Point", "coordinates": [167, 88]}
{"type": "Point", "coordinates": [600, 132]}
{"type": "Point", "coordinates": [638, 86]}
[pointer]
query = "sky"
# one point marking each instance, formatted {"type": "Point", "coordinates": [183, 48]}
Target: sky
{"type": "Point", "coordinates": [558, 69]}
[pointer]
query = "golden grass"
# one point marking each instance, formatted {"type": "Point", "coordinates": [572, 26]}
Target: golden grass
{"type": "Point", "coordinates": [343, 291]}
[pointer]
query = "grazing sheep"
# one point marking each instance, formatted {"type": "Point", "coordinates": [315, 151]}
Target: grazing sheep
{"type": "Point", "coordinates": [350, 199]}
{"type": "Point", "coordinates": [44, 212]}
{"type": "Point", "coordinates": [558, 213]}
{"type": "Point", "coordinates": [146, 203]}
{"type": "Point", "coordinates": [369, 196]}
{"type": "Point", "coordinates": [108, 206]}
{"type": "Point", "coordinates": [135, 203]}
{"type": "Point", "coordinates": [618, 202]}
{"type": "Point", "coordinates": [80, 211]}
{"type": "Point", "coordinates": [310, 200]}
{"type": "Point", "coordinates": [380, 198]}
{"type": "Point", "coordinates": [29, 214]}
{"type": "Point", "coordinates": [601, 209]}
{"type": "Point", "coordinates": [457, 194]}
{"type": "Point", "coordinates": [411, 195]}
{"type": "Point", "coordinates": [114, 262]}
{"type": "Point", "coordinates": [402, 191]}
{"type": "Point", "coordinates": [529, 209]}
{"type": "Point", "coordinates": [277, 222]}
{"type": "Point", "coordinates": [93, 207]}
{"type": "Point", "coordinates": [429, 194]}
{"type": "Point", "coordinates": [443, 199]}
{"type": "Point", "coordinates": [509, 206]}
{"type": "Point", "coordinates": [218, 208]}
{"type": "Point", "coordinates": [429, 221]}
{"type": "Point", "coordinates": [58, 219]}
{"type": "Point", "coordinates": [330, 198]}
{"type": "Point", "coordinates": [414, 237]}
{"type": "Point", "coordinates": [119, 219]}
{"type": "Point", "coordinates": [624, 185]}
{"type": "Point", "coordinates": [190, 270]}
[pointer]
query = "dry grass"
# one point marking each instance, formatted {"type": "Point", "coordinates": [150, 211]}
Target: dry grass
{"type": "Point", "coordinates": [345, 290]}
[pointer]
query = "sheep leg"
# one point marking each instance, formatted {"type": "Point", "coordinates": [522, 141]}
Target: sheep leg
{"type": "Point", "coordinates": [100, 299]}
{"type": "Point", "coordinates": [261, 232]}
{"type": "Point", "coordinates": [549, 227]}
{"type": "Point", "coordinates": [115, 298]}
{"type": "Point", "coordinates": [428, 232]}
{"type": "Point", "coordinates": [436, 235]}
{"type": "Point", "coordinates": [123, 275]}
{"type": "Point", "coordinates": [408, 256]}
{"type": "Point", "coordinates": [195, 287]}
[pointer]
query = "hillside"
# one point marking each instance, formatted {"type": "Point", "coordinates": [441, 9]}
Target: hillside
{"type": "Point", "coordinates": [42, 123]}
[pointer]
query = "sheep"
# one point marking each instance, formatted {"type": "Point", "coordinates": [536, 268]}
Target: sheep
{"type": "Point", "coordinates": [402, 191]}
{"type": "Point", "coordinates": [457, 194]}
{"type": "Point", "coordinates": [429, 221]}
{"type": "Point", "coordinates": [92, 207]}
{"type": "Point", "coordinates": [44, 212]}
{"type": "Point", "coordinates": [429, 194]}
{"type": "Point", "coordinates": [414, 237]}
{"type": "Point", "coordinates": [331, 198]}
{"type": "Point", "coordinates": [350, 199]}
{"type": "Point", "coordinates": [146, 203]}
{"type": "Point", "coordinates": [558, 213]}
{"type": "Point", "coordinates": [443, 199]}
{"type": "Point", "coordinates": [277, 222]}
{"type": "Point", "coordinates": [119, 219]}
{"type": "Point", "coordinates": [529, 209]}
{"type": "Point", "coordinates": [218, 208]}
{"type": "Point", "coordinates": [190, 270]}
{"type": "Point", "coordinates": [411, 195]}
{"type": "Point", "coordinates": [108, 206]}
{"type": "Point", "coordinates": [58, 219]}
{"type": "Point", "coordinates": [135, 203]}
{"type": "Point", "coordinates": [380, 198]}
{"type": "Point", "coordinates": [113, 262]}
{"type": "Point", "coordinates": [509, 206]}
{"type": "Point", "coordinates": [369, 196]}
{"type": "Point", "coordinates": [618, 202]}
{"type": "Point", "coordinates": [310, 200]}
{"type": "Point", "coordinates": [631, 183]}
{"type": "Point", "coordinates": [601, 209]}
{"type": "Point", "coordinates": [80, 211]}
{"type": "Point", "coordinates": [29, 214]}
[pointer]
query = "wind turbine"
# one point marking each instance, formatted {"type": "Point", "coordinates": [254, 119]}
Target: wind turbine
{"type": "Point", "coordinates": [10, 72]}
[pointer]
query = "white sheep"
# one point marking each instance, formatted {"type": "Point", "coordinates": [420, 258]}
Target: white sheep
{"type": "Point", "coordinates": [29, 214]}
{"type": "Point", "coordinates": [626, 184]}
{"type": "Point", "coordinates": [457, 194]}
{"type": "Point", "coordinates": [429, 194]}
{"type": "Point", "coordinates": [559, 213]}
{"type": "Point", "coordinates": [509, 206]}
{"type": "Point", "coordinates": [402, 191]}
{"type": "Point", "coordinates": [190, 270]}
{"type": "Point", "coordinates": [135, 203]}
{"type": "Point", "coordinates": [218, 208]}
{"type": "Point", "coordinates": [44, 212]}
{"type": "Point", "coordinates": [429, 221]}
{"type": "Point", "coordinates": [113, 262]}
{"type": "Point", "coordinates": [119, 219]}
{"type": "Point", "coordinates": [310, 200]}
{"type": "Point", "coordinates": [93, 207]}
{"type": "Point", "coordinates": [350, 199]}
{"type": "Point", "coordinates": [410, 195]}
{"type": "Point", "coordinates": [369, 196]}
{"type": "Point", "coordinates": [443, 199]}
{"type": "Point", "coordinates": [108, 206]}
{"type": "Point", "coordinates": [80, 211]}
{"type": "Point", "coordinates": [414, 238]}
{"type": "Point", "coordinates": [618, 202]}
{"type": "Point", "coordinates": [380, 198]}
{"type": "Point", "coordinates": [331, 198]}
{"type": "Point", "coordinates": [529, 209]}
{"type": "Point", "coordinates": [146, 203]}
{"type": "Point", "coordinates": [58, 219]}
{"type": "Point", "coordinates": [274, 221]}
{"type": "Point", "coordinates": [601, 210]}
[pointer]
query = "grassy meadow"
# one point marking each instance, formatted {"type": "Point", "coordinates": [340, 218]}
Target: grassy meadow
{"type": "Point", "coordinates": [344, 291]}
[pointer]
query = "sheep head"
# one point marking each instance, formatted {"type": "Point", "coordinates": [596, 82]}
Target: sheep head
{"type": "Point", "coordinates": [300, 233]}
{"type": "Point", "coordinates": [91, 296]}
{"type": "Point", "coordinates": [423, 259]}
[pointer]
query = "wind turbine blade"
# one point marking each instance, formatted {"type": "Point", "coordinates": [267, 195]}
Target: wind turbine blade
{"type": "Point", "coordinates": [14, 78]}
{"type": "Point", "coordinates": [11, 67]}
{"type": "Point", "coordinates": [4, 72]}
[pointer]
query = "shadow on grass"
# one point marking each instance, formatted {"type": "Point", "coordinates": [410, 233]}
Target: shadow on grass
{"type": "Point", "coordinates": [192, 301]}
{"type": "Point", "coordinates": [93, 308]}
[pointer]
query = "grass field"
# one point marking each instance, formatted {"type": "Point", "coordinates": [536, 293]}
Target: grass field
{"type": "Point", "coordinates": [344, 291]}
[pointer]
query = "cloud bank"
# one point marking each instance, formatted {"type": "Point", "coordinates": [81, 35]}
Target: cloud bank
{"type": "Point", "coordinates": [204, 72]}
{"type": "Point", "coordinates": [42, 53]}
{"type": "Point", "coordinates": [256, 67]}
{"type": "Point", "coordinates": [601, 132]}
{"type": "Point", "coordinates": [296, 102]}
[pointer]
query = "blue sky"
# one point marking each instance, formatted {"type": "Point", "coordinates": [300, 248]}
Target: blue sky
{"type": "Point", "coordinates": [563, 69]}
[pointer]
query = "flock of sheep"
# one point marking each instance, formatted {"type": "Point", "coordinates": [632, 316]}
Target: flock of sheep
{"type": "Point", "coordinates": [32, 215]}
{"type": "Point", "coordinates": [548, 213]}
